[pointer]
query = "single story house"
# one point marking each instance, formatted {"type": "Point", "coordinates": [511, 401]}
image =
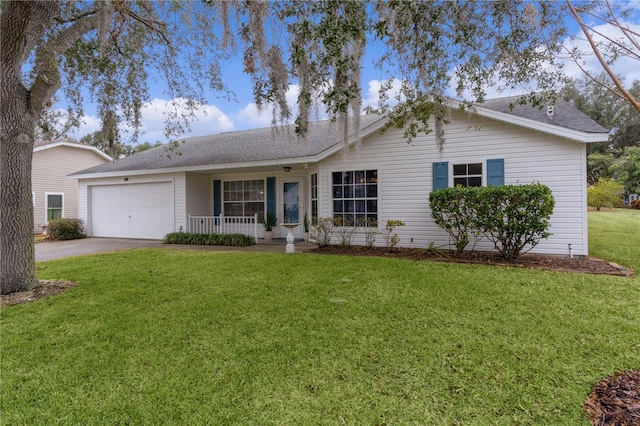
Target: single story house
{"type": "Point", "coordinates": [54, 194]}
{"type": "Point", "coordinates": [213, 183]}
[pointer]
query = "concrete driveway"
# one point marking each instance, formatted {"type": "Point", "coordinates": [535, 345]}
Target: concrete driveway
{"type": "Point", "coordinates": [48, 250]}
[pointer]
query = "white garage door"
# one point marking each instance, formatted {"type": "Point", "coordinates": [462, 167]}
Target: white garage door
{"type": "Point", "coordinates": [142, 210]}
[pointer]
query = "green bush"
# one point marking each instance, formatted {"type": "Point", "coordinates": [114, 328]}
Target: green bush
{"type": "Point", "coordinates": [510, 216]}
{"type": "Point", "coordinates": [514, 216]}
{"type": "Point", "coordinates": [65, 229]}
{"type": "Point", "coordinates": [344, 230]}
{"type": "Point", "coordinates": [391, 240]}
{"type": "Point", "coordinates": [454, 210]}
{"type": "Point", "coordinates": [322, 230]}
{"type": "Point", "coordinates": [234, 240]}
{"type": "Point", "coordinates": [604, 193]}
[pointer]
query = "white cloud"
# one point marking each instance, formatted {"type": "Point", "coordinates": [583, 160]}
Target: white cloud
{"type": "Point", "coordinates": [206, 120]}
{"type": "Point", "coordinates": [251, 117]}
{"type": "Point", "coordinates": [624, 66]}
{"type": "Point", "coordinates": [88, 124]}
{"type": "Point", "coordinates": [372, 96]}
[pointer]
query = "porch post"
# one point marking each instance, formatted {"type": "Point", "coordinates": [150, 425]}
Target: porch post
{"type": "Point", "coordinates": [255, 226]}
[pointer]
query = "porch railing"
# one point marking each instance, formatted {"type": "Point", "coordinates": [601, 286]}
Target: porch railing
{"type": "Point", "coordinates": [247, 225]}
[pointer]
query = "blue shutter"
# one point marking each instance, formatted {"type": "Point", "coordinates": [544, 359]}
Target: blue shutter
{"type": "Point", "coordinates": [271, 196]}
{"type": "Point", "coordinates": [440, 175]}
{"type": "Point", "coordinates": [495, 172]}
{"type": "Point", "coordinates": [217, 197]}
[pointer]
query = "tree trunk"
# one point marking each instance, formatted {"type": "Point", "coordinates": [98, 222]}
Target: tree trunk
{"type": "Point", "coordinates": [17, 255]}
{"type": "Point", "coordinates": [22, 25]}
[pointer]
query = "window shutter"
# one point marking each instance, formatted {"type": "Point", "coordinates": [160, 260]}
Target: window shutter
{"type": "Point", "coordinates": [271, 196]}
{"type": "Point", "coordinates": [217, 197]}
{"type": "Point", "coordinates": [495, 172]}
{"type": "Point", "coordinates": [440, 175]}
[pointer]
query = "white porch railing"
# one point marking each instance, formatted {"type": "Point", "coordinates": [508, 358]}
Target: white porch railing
{"type": "Point", "coordinates": [247, 225]}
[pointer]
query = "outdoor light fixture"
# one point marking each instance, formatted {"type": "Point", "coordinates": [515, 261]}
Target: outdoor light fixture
{"type": "Point", "coordinates": [287, 169]}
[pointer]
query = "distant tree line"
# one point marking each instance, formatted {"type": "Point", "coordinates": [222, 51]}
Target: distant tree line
{"type": "Point", "coordinates": [114, 147]}
{"type": "Point", "coordinates": [619, 157]}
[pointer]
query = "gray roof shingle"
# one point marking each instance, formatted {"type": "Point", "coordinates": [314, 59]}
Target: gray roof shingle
{"type": "Point", "coordinates": [564, 114]}
{"type": "Point", "coordinates": [280, 143]}
{"type": "Point", "coordinates": [270, 143]}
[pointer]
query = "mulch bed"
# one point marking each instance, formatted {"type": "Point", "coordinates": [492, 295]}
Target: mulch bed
{"type": "Point", "coordinates": [583, 264]}
{"type": "Point", "coordinates": [43, 289]}
{"type": "Point", "coordinates": [615, 401]}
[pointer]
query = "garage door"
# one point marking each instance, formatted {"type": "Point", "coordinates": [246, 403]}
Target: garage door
{"type": "Point", "coordinates": [132, 211]}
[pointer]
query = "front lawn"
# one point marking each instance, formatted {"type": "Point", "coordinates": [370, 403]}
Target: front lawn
{"type": "Point", "coordinates": [615, 235]}
{"type": "Point", "coordinates": [159, 336]}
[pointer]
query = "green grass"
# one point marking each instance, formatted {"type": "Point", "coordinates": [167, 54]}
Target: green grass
{"type": "Point", "coordinates": [177, 337]}
{"type": "Point", "coordinates": [615, 235]}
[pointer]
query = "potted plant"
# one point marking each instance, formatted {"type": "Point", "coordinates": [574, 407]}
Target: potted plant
{"type": "Point", "coordinates": [306, 228]}
{"type": "Point", "coordinates": [269, 223]}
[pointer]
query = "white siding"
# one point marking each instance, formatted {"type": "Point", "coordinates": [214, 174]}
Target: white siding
{"type": "Point", "coordinates": [49, 174]}
{"type": "Point", "coordinates": [199, 194]}
{"type": "Point", "coordinates": [405, 176]}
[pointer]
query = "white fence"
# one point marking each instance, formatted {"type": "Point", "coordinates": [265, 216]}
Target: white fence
{"type": "Point", "coordinates": [247, 225]}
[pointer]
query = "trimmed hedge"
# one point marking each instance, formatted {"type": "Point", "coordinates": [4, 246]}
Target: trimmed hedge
{"type": "Point", "coordinates": [234, 240]}
{"type": "Point", "coordinates": [510, 216]}
{"type": "Point", "coordinates": [65, 229]}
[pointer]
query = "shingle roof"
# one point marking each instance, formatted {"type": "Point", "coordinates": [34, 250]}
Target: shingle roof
{"type": "Point", "coordinates": [270, 143]}
{"type": "Point", "coordinates": [564, 114]}
{"type": "Point", "coordinates": [280, 143]}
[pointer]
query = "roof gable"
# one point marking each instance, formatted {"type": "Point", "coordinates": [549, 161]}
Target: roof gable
{"type": "Point", "coordinates": [39, 146]}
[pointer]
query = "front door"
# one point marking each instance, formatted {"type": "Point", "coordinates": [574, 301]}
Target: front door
{"type": "Point", "coordinates": [292, 211]}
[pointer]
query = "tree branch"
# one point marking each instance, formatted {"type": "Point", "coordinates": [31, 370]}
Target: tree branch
{"type": "Point", "coordinates": [626, 31]}
{"type": "Point", "coordinates": [603, 62]}
{"type": "Point", "coordinates": [47, 79]}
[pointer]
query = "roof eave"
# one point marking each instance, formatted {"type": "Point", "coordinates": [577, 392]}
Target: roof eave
{"type": "Point", "coordinates": [200, 168]}
{"type": "Point", "coordinates": [73, 145]}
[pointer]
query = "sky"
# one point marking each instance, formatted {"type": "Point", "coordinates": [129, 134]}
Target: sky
{"type": "Point", "coordinates": [220, 115]}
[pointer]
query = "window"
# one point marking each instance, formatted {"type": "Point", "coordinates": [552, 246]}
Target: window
{"type": "Point", "coordinates": [314, 196]}
{"type": "Point", "coordinates": [244, 198]}
{"type": "Point", "coordinates": [467, 174]}
{"type": "Point", "coordinates": [355, 197]}
{"type": "Point", "coordinates": [54, 206]}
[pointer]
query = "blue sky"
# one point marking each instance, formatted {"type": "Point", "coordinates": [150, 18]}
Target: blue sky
{"type": "Point", "coordinates": [220, 115]}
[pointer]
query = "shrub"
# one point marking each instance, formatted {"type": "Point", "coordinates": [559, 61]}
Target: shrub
{"type": "Point", "coordinates": [344, 230]}
{"type": "Point", "coordinates": [322, 230]}
{"type": "Point", "coordinates": [514, 216]}
{"type": "Point", "coordinates": [65, 229]}
{"type": "Point", "coordinates": [604, 193]}
{"type": "Point", "coordinates": [635, 204]}
{"type": "Point", "coordinates": [454, 210]}
{"type": "Point", "coordinates": [510, 216]}
{"type": "Point", "coordinates": [391, 240]}
{"type": "Point", "coordinates": [234, 240]}
{"type": "Point", "coordinates": [369, 227]}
